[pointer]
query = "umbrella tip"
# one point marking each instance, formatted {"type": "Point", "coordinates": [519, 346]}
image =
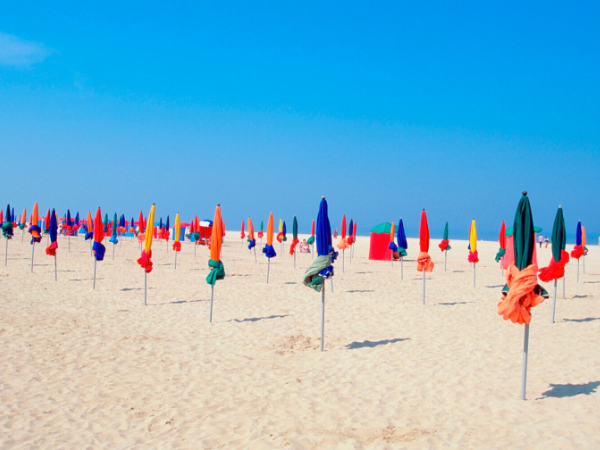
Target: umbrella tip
{"type": "Point", "coordinates": [323, 197]}
{"type": "Point", "coordinates": [524, 192]}
{"type": "Point", "coordinates": [560, 206]}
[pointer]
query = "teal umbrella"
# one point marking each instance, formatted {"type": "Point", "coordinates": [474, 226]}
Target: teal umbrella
{"type": "Point", "coordinates": [560, 257]}
{"type": "Point", "coordinates": [522, 291]}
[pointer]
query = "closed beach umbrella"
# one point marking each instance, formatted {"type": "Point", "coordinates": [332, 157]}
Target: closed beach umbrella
{"type": "Point", "coordinates": [473, 255]}
{"type": "Point", "coordinates": [392, 245]}
{"type": "Point", "coordinates": [445, 245]}
{"type": "Point", "coordinates": [424, 263]}
{"type": "Point", "coordinates": [578, 250]}
{"type": "Point", "coordinates": [268, 249]}
{"type": "Point", "coordinates": [295, 240]}
{"type": "Point", "coordinates": [342, 244]}
{"type": "Point", "coordinates": [98, 248]}
{"type": "Point", "coordinates": [53, 232]}
{"type": "Point", "coordinates": [502, 242]}
{"type": "Point", "coordinates": [7, 231]}
{"type": "Point", "coordinates": [90, 227]}
{"type": "Point", "coordinates": [560, 257]}
{"type": "Point", "coordinates": [251, 239]}
{"type": "Point", "coordinates": [260, 232]}
{"type": "Point", "coordinates": [522, 292]}
{"type": "Point", "coordinates": [145, 260]}
{"type": "Point", "coordinates": [217, 271]}
{"type": "Point", "coordinates": [47, 223]}
{"type": "Point", "coordinates": [35, 231]}
{"type": "Point", "coordinates": [113, 237]}
{"type": "Point", "coordinates": [177, 237]}
{"type": "Point", "coordinates": [242, 234]}
{"type": "Point", "coordinates": [322, 267]}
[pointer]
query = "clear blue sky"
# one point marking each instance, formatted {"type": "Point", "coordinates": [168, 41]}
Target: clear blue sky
{"type": "Point", "coordinates": [385, 107]}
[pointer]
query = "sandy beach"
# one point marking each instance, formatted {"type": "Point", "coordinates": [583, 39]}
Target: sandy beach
{"type": "Point", "coordinates": [85, 369]}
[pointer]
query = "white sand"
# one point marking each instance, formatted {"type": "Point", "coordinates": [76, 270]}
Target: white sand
{"type": "Point", "coordinates": [96, 369]}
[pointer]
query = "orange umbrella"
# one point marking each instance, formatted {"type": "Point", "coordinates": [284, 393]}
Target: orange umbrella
{"type": "Point", "coordinates": [217, 271]}
{"type": "Point", "coordinates": [35, 231]}
{"type": "Point", "coordinates": [269, 251]}
{"type": "Point", "coordinates": [251, 240]}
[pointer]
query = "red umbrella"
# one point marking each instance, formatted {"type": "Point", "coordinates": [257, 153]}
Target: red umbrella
{"type": "Point", "coordinates": [424, 263]}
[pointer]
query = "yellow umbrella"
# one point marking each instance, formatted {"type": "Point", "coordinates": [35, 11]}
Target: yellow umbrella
{"type": "Point", "coordinates": [473, 256]}
{"type": "Point", "coordinates": [145, 260]}
{"type": "Point", "coordinates": [176, 241]}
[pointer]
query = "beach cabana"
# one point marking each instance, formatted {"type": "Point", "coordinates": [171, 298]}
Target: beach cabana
{"type": "Point", "coordinates": [380, 240]}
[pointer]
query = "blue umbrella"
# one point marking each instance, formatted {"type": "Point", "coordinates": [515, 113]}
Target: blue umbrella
{"type": "Point", "coordinates": [77, 219]}
{"type": "Point", "coordinates": [401, 237]}
{"type": "Point", "coordinates": [122, 221]}
{"type": "Point", "coordinates": [68, 218]}
{"type": "Point", "coordinates": [578, 235]}
{"type": "Point", "coordinates": [323, 234]}
{"type": "Point", "coordinates": [53, 232]}
{"type": "Point", "coordinates": [167, 224]}
{"type": "Point", "coordinates": [322, 267]}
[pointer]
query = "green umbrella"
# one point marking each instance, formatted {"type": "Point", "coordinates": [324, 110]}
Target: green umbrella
{"type": "Point", "coordinates": [556, 268]}
{"type": "Point", "coordinates": [445, 245]}
{"type": "Point", "coordinates": [295, 239]}
{"type": "Point", "coordinates": [522, 291]}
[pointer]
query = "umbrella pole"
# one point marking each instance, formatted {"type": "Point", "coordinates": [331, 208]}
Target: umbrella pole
{"type": "Point", "coordinates": [331, 284]}
{"type": "Point", "coordinates": [212, 290]}
{"type": "Point", "coordinates": [91, 254]}
{"type": "Point", "coordinates": [255, 262]}
{"type": "Point", "coordinates": [313, 252]}
{"type": "Point", "coordinates": [343, 260]}
{"type": "Point", "coordinates": [474, 273]}
{"type": "Point", "coordinates": [23, 235]}
{"type": "Point", "coordinates": [445, 259]}
{"type": "Point", "coordinates": [55, 279]}
{"type": "Point", "coordinates": [525, 351]}
{"type": "Point", "coordinates": [392, 258]}
{"type": "Point", "coordinates": [94, 274]}
{"type": "Point", "coordinates": [402, 268]}
{"type": "Point", "coordinates": [351, 248]}
{"type": "Point", "coordinates": [32, 250]}
{"type": "Point", "coordinates": [578, 270]}
{"type": "Point", "coordinates": [268, 267]}
{"type": "Point", "coordinates": [294, 258]}
{"type": "Point", "coordinates": [554, 301]}
{"type": "Point", "coordinates": [322, 317]}
{"type": "Point", "coordinates": [6, 253]}
{"type": "Point", "coordinates": [69, 241]}
{"type": "Point", "coordinates": [584, 264]}
{"type": "Point", "coordinates": [195, 245]}
{"type": "Point", "coordinates": [145, 288]}
{"type": "Point", "coordinates": [423, 286]}
{"type": "Point", "coordinates": [176, 260]}
{"type": "Point", "coordinates": [113, 251]}
{"type": "Point", "coordinates": [564, 288]}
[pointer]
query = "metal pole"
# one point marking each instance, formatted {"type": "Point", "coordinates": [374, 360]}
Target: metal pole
{"type": "Point", "coordinates": [195, 245]}
{"type": "Point", "coordinates": [32, 250]}
{"type": "Point", "coordinates": [176, 260]}
{"type": "Point", "coordinates": [402, 268]}
{"type": "Point", "coordinates": [525, 351]}
{"type": "Point", "coordinates": [55, 279]}
{"type": "Point", "coordinates": [474, 273]}
{"type": "Point", "coordinates": [564, 297]}
{"type": "Point", "coordinates": [212, 290]}
{"type": "Point", "coordinates": [255, 262]}
{"type": "Point", "coordinates": [578, 270]}
{"type": "Point", "coordinates": [6, 253]}
{"type": "Point", "coordinates": [91, 254]}
{"type": "Point", "coordinates": [331, 283]}
{"type": "Point", "coordinates": [113, 251]}
{"type": "Point", "coordinates": [69, 241]}
{"type": "Point", "coordinates": [423, 286]}
{"type": "Point", "coordinates": [145, 287]}
{"type": "Point", "coordinates": [392, 258]}
{"type": "Point", "coordinates": [554, 301]}
{"type": "Point", "coordinates": [268, 267]}
{"type": "Point", "coordinates": [344, 260]}
{"type": "Point", "coordinates": [322, 316]}
{"type": "Point", "coordinates": [313, 252]}
{"type": "Point", "coordinates": [584, 264]}
{"type": "Point", "coordinates": [294, 258]}
{"type": "Point", "coordinates": [95, 273]}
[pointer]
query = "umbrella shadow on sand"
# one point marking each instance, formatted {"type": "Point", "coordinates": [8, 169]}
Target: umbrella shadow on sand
{"type": "Point", "coordinates": [587, 319]}
{"type": "Point", "coordinates": [371, 344]}
{"type": "Point", "coordinates": [256, 319]}
{"type": "Point", "coordinates": [570, 390]}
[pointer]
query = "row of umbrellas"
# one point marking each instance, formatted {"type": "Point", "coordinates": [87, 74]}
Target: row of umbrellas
{"type": "Point", "coordinates": [521, 293]}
